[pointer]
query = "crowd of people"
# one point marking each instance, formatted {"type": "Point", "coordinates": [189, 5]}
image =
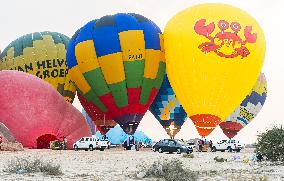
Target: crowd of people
{"type": "Point", "coordinates": [131, 143]}
{"type": "Point", "coordinates": [203, 145]}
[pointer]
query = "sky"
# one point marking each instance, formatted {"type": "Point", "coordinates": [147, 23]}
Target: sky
{"type": "Point", "coordinates": [20, 17]}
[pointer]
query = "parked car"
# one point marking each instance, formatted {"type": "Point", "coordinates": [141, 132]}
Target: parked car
{"type": "Point", "coordinates": [230, 145]}
{"type": "Point", "coordinates": [191, 143]}
{"type": "Point", "coordinates": [146, 145]}
{"type": "Point", "coordinates": [90, 143]}
{"type": "Point", "coordinates": [171, 145]}
{"type": "Point", "coordinates": [57, 145]}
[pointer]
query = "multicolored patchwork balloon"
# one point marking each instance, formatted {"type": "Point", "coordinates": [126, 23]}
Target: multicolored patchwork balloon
{"type": "Point", "coordinates": [42, 54]}
{"type": "Point", "coordinates": [117, 63]}
{"type": "Point", "coordinates": [167, 109]}
{"type": "Point", "coordinates": [214, 55]}
{"type": "Point", "coordinates": [102, 121]}
{"type": "Point", "coordinates": [248, 109]}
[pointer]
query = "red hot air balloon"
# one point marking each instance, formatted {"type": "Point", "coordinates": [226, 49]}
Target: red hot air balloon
{"type": "Point", "coordinates": [36, 113]}
{"type": "Point", "coordinates": [117, 63]}
{"type": "Point", "coordinates": [102, 121]}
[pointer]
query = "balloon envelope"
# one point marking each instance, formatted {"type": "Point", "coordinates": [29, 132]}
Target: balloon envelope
{"type": "Point", "coordinates": [42, 54]}
{"type": "Point", "coordinates": [214, 54]}
{"type": "Point", "coordinates": [36, 113]}
{"type": "Point", "coordinates": [248, 109]}
{"type": "Point", "coordinates": [4, 131]}
{"type": "Point", "coordinates": [89, 122]}
{"type": "Point", "coordinates": [117, 63]}
{"type": "Point", "coordinates": [102, 121]}
{"type": "Point", "coordinates": [167, 109]}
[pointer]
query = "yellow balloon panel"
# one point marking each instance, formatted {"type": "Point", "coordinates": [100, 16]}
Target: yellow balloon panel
{"type": "Point", "coordinates": [43, 56]}
{"type": "Point", "coordinates": [214, 54]}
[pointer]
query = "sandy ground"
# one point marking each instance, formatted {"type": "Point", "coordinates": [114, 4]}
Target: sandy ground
{"type": "Point", "coordinates": [120, 165]}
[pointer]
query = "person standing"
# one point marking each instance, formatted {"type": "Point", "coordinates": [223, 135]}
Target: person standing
{"type": "Point", "coordinates": [136, 145]}
{"type": "Point", "coordinates": [1, 140]}
{"type": "Point", "coordinates": [200, 143]}
{"type": "Point", "coordinates": [64, 143]}
{"type": "Point", "coordinates": [210, 145]}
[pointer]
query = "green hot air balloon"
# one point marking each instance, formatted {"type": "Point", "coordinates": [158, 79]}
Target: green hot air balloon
{"type": "Point", "coordinates": [117, 63]}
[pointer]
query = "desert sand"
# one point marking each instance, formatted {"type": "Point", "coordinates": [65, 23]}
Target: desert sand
{"type": "Point", "coordinates": [119, 165]}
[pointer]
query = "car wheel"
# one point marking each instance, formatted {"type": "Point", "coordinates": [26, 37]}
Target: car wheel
{"type": "Point", "coordinates": [154, 149]}
{"type": "Point", "coordinates": [222, 150]}
{"type": "Point", "coordinates": [91, 148]}
{"type": "Point", "coordinates": [178, 151]}
{"type": "Point", "coordinates": [230, 149]}
{"type": "Point", "coordinates": [160, 150]}
{"type": "Point", "coordinates": [102, 149]}
{"type": "Point", "coordinates": [214, 149]}
{"type": "Point", "coordinates": [75, 147]}
{"type": "Point", "coordinates": [170, 152]}
{"type": "Point", "coordinates": [238, 150]}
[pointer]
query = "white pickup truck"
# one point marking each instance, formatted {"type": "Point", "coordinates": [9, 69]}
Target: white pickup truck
{"type": "Point", "coordinates": [230, 145]}
{"type": "Point", "coordinates": [90, 143]}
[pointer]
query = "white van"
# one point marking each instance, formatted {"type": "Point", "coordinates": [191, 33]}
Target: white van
{"type": "Point", "coordinates": [230, 145]}
{"type": "Point", "coordinates": [90, 143]}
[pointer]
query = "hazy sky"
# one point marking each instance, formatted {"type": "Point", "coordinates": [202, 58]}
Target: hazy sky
{"type": "Point", "coordinates": [20, 17]}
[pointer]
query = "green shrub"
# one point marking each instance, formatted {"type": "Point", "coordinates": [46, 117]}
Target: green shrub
{"type": "Point", "coordinates": [220, 159]}
{"type": "Point", "coordinates": [28, 165]}
{"type": "Point", "coordinates": [190, 155]}
{"type": "Point", "coordinates": [170, 170]}
{"type": "Point", "coordinates": [271, 144]}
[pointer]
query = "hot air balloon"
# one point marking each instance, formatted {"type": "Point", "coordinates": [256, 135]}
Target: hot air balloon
{"type": "Point", "coordinates": [36, 113]}
{"type": "Point", "coordinates": [248, 109]}
{"type": "Point", "coordinates": [42, 54]}
{"type": "Point", "coordinates": [102, 121]}
{"type": "Point", "coordinates": [4, 131]}
{"type": "Point", "coordinates": [89, 122]}
{"type": "Point", "coordinates": [214, 54]}
{"type": "Point", "coordinates": [167, 109]}
{"type": "Point", "coordinates": [117, 63]}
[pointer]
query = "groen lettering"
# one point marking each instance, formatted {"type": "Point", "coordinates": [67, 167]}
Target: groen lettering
{"type": "Point", "coordinates": [62, 73]}
{"type": "Point", "coordinates": [38, 74]}
{"type": "Point", "coordinates": [45, 74]}
{"type": "Point", "coordinates": [54, 73]}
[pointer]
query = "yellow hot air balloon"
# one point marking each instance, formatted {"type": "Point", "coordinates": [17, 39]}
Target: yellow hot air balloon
{"type": "Point", "coordinates": [42, 54]}
{"type": "Point", "coordinates": [214, 54]}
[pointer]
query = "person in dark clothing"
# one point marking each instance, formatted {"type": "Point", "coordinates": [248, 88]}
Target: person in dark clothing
{"type": "Point", "coordinates": [259, 157]}
{"type": "Point", "coordinates": [210, 144]}
{"type": "Point", "coordinates": [64, 143]}
{"type": "Point", "coordinates": [1, 140]}
{"type": "Point", "coordinates": [125, 144]}
{"type": "Point", "coordinates": [136, 145]}
{"type": "Point", "coordinates": [200, 143]}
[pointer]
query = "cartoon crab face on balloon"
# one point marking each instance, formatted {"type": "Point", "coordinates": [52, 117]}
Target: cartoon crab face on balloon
{"type": "Point", "coordinates": [226, 43]}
